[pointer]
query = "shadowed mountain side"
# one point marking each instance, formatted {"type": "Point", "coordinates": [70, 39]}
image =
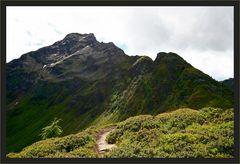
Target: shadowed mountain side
{"type": "Point", "coordinates": [229, 83]}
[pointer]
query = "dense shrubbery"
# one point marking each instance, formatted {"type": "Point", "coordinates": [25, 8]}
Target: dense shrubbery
{"type": "Point", "coordinates": [72, 146]}
{"type": "Point", "coordinates": [184, 133]}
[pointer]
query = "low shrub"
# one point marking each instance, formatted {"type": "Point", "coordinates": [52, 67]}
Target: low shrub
{"type": "Point", "coordinates": [184, 133]}
{"type": "Point", "coordinates": [59, 147]}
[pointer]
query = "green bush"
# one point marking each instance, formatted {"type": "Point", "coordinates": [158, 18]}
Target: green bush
{"type": "Point", "coordinates": [184, 133]}
{"type": "Point", "coordinates": [52, 130]}
{"type": "Point", "coordinates": [77, 145]}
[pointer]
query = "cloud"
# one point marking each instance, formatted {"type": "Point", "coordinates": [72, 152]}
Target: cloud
{"type": "Point", "coordinates": [201, 35]}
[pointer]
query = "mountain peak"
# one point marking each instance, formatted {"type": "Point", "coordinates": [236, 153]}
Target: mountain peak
{"type": "Point", "coordinates": [161, 55]}
{"type": "Point", "coordinates": [229, 83]}
{"type": "Point", "coordinates": [80, 37]}
{"type": "Point", "coordinates": [170, 56]}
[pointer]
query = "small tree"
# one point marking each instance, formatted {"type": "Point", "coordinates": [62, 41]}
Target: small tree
{"type": "Point", "coordinates": [52, 130]}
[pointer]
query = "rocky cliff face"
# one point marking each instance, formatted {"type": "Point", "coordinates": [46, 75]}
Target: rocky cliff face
{"type": "Point", "coordinates": [85, 82]}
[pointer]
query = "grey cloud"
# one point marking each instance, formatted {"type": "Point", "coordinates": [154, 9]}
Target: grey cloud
{"type": "Point", "coordinates": [209, 29]}
{"type": "Point", "coordinates": [29, 33]}
{"type": "Point", "coordinates": [147, 29]}
{"type": "Point", "coordinates": [214, 31]}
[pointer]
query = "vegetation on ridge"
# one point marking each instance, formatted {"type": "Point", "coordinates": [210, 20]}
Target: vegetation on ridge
{"type": "Point", "coordinates": [184, 133]}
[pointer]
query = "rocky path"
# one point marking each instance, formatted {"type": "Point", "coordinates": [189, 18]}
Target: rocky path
{"type": "Point", "coordinates": [102, 145]}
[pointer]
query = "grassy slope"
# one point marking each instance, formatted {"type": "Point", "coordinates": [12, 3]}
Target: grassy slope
{"type": "Point", "coordinates": [29, 117]}
{"type": "Point", "coordinates": [207, 132]}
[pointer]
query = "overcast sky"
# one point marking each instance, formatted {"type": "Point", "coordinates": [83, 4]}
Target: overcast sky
{"type": "Point", "coordinates": [203, 36]}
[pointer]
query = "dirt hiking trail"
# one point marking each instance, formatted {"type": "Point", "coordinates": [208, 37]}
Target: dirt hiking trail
{"type": "Point", "coordinates": [102, 145]}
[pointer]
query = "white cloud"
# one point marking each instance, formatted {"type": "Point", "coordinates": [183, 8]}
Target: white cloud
{"type": "Point", "coordinates": [201, 35]}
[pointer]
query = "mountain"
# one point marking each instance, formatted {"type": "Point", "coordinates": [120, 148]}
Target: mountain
{"type": "Point", "coordinates": [229, 83]}
{"type": "Point", "coordinates": [85, 82]}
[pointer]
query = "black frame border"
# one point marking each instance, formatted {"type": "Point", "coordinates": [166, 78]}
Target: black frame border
{"type": "Point", "coordinates": [4, 5]}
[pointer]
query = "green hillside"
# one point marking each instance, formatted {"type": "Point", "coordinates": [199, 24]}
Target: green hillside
{"type": "Point", "coordinates": [184, 133]}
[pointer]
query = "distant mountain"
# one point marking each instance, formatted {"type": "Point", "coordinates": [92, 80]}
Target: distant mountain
{"type": "Point", "coordinates": [85, 82]}
{"type": "Point", "coordinates": [229, 83]}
